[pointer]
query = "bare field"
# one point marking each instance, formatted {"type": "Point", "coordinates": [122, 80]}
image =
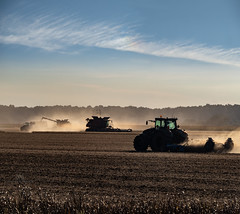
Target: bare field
{"type": "Point", "coordinates": [106, 165]}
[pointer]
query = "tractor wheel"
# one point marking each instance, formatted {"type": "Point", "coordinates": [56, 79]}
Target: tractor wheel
{"type": "Point", "coordinates": [160, 141]}
{"type": "Point", "coordinates": [140, 143]}
{"type": "Point", "coordinates": [209, 145]}
{"type": "Point", "coordinates": [179, 136]}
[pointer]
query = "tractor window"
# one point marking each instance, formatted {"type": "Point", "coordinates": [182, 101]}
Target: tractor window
{"type": "Point", "coordinates": [159, 124]}
{"type": "Point", "coordinates": [171, 124]}
{"type": "Point", "coordinates": [163, 123]}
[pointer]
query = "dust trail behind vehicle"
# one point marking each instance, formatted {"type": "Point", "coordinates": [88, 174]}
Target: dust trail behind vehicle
{"type": "Point", "coordinates": [197, 138]}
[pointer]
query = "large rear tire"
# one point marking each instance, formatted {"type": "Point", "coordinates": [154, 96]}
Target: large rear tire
{"type": "Point", "coordinates": [160, 141]}
{"type": "Point", "coordinates": [140, 143]}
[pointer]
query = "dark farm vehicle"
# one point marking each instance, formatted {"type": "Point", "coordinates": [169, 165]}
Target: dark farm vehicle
{"type": "Point", "coordinates": [166, 136]}
{"type": "Point", "coordinates": [60, 123]}
{"type": "Point", "coordinates": [27, 126]}
{"type": "Point", "coordinates": [102, 124]}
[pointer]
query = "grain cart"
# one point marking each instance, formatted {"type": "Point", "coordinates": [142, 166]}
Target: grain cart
{"type": "Point", "coordinates": [27, 126]}
{"type": "Point", "coordinates": [102, 124]}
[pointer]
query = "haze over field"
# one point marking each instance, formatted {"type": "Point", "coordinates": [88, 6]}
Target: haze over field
{"type": "Point", "coordinates": [121, 53]}
{"type": "Point", "coordinates": [208, 115]}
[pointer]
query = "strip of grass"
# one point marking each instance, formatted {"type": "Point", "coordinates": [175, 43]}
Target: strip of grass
{"type": "Point", "coordinates": [27, 200]}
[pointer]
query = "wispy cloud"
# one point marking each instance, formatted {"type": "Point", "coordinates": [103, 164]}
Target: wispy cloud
{"type": "Point", "coordinates": [60, 33]}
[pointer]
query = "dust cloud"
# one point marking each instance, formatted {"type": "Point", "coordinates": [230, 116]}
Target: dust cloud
{"type": "Point", "coordinates": [235, 135]}
{"type": "Point", "coordinates": [199, 138]}
{"type": "Point", "coordinates": [43, 124]}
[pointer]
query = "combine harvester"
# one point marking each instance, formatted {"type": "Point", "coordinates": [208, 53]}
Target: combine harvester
{"type": "Point", "coordinates": [166, 136]}
{"type": "Point", "coordinates": [102, 124]}
{"type": "Point", "coordinates": [60, 123]}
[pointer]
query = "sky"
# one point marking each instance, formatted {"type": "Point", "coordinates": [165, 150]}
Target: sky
{"type": "Point", "coordinates": [150, 53]}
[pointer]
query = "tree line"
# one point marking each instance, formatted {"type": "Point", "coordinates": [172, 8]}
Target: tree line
{"type": "Point", "coordinates": [212, 115]}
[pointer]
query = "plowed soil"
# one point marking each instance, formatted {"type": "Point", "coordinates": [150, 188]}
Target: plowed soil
{"type": "Point", "coordinates": [106, 165]}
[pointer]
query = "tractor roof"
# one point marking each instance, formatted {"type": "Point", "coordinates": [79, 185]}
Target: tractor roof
{"type": "Point", "coordinates": [100, 118]}
{"type": "Point", "coordinates": [166, 118]}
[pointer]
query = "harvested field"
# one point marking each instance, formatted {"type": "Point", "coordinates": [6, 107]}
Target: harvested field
{"type": "Point", "coordinates": [104, 165]}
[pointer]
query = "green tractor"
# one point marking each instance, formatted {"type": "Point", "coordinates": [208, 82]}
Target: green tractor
{"type": "Point", "coordinates": [165, 136]}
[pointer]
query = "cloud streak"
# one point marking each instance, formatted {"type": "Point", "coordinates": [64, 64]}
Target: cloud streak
{"type": "Point", "coordinates": [61, 33]}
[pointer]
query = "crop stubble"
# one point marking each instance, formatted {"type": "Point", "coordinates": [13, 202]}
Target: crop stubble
{"type": "Point", "coordinates": [105, 165]}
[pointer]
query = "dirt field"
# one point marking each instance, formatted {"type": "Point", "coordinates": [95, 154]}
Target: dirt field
{"type": "Point", "coordinates": [105, 165]}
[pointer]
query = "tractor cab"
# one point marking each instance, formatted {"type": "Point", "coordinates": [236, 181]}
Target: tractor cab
{"type": "Point", "coordinates": [169, 123]}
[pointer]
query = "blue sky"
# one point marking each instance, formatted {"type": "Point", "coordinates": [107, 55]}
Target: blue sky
{"type": "Point", "coordinates": [129, 52]}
